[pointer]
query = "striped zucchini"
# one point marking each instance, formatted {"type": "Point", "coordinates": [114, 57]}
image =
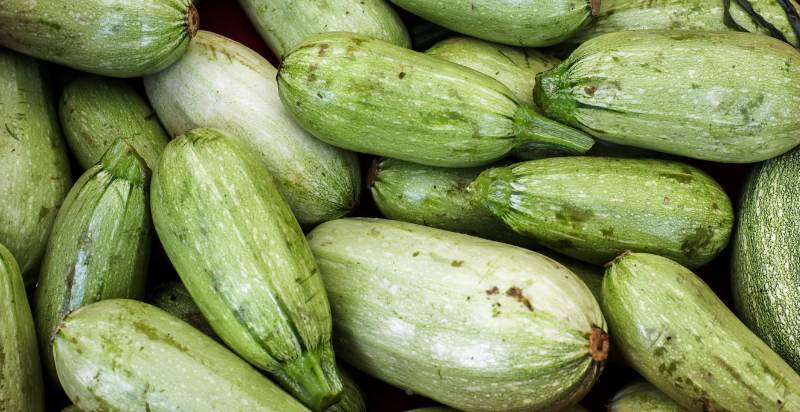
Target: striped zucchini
{"type": "Point", "coordinates": [222, 84]}
{"type": "Point", "coordinates": [173, 298]}
{"type": "Point", "coordinates": [370, 96]}
{"type": "Point", "coordinates": [21, 387]}
{"type": "Point", "coordinates": [764, 278]}
{"type": "Point", "coordinates": [726, 97]}
{"type": "Point", "coordinates": [642, 396]}
{"type": "Point", "coordinates": [119, 38]}
{"type": "Point", "coordinates": [34, 169]}
{"type": "Point", "coordinates": [471, 323]}
{"type": "Point", "coordinates": [127, 356]}
{"type": "Point", "coordinates": [286, 23]}
{"type": "Point", "coordinates": [100, 244]}
{"type": "Point", "coordinates": [246, 262]}
{"type": "Point", "coordinates": [97, 111]}
{"type": "Point", "coordinates": [676, 333]}
{"type": "Point", "coordinates": [532, 23]}
{"type": "Point", "coordinates": [594, 208]}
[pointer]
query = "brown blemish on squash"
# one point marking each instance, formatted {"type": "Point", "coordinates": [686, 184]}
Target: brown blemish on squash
{"type": "Point", "coordinates": [598, 344]}
{"type": "Point", "coordinates": [192, 20]}
{"type": "Point", "coordinates": [517, 294]}
{"type": "Point", "coordinates": [493, 291]}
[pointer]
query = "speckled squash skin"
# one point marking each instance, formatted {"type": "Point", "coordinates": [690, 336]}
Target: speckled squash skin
{"type": "Point", "coordinates": [118, 38]}
{"type": "Point", "coordinates": [127, 356]}
{"type": "Point", "coordinates": [474, 324]}
{"type": "Point", "coordinates": [594, 208]}
{"type": "Point", "coordinates": [764, 278]}
{"type": "Point", "coordinates": [21, 386]}
{"type": "Point", "coordinates": [673, 329]}
{"type": "Point", "coordinates": [286, 23]}
{"type": "Point", "coordinates": [721, 96]}
{"type": "Point", "coordinates": [642, 396]}
{"type": "Point", "coordinates": [34, 169]}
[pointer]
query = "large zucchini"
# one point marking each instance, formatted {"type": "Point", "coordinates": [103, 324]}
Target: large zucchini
{"type": "Point", "coordinates": [679, 335]}
{"type": "Point", "coordinates": [119, 38]}
{"type": "Point", "coordinates": [127, 356]}
{"type": "Point", "coordinates": [96, 111]}
{"type": "Point", "coordinates": [243, 257]}
{"type": "Point", "coordinates": [532, 23]}
{"type": "Point", "coordinates": [642, 396]}
{"type": "Point", "coordinates": [370, 96]}
{"type": "Point", "coordinates": [222, 84]}
{"type": "Point", "coordinates": [100, 244]}
{"type": "Point", "coordinates": [286, 23]}
{"type": "Point", "coordinates": [721, 96]}
{"type": "Point", "coordinates": [34, 170]}
{"type": "Point", "coordinates": [21, 386]}
{"type": "Point", "coordinates": [765, 280]}
{"type": "Point", "coordinates": [474, 324]}
{"type": "Point", "coordinates": [594, 208]}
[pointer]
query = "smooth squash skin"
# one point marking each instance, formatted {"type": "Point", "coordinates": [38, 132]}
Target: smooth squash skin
{"type": "Point", "coordinates": [242, 255]}
{"type": "Point", "coordinates": [21, 385]}
{"type": "Point", "coordinates": [127, 356]}
{"type": "Point", "coordinates": [286, 23]}
{"type": "Point", "coordinates": [34, 169]}
{"type": "Point", "coordinates": [222, 84]}
{"type": "Point", "coordinates": [720, 96]}
{"type": "Point", "coordinates": [370, 96]}
{"type": "Point", "coordinates": [474, 324]}
{"type": "Point", "coordinates": [117, 38]}
{"type": "Point", "coordinates": [672, 328]}
{"type": "Point", "coordinates": [642, 396]}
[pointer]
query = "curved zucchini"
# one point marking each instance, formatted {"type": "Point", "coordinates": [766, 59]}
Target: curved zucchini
{"type": "Point", "coordinates": [474, 324]}
{"type": "Point", "coordinates": [720, 96]}
{"type": "Point", "coordinates": [97, 111]}
{"type": "Point", "coordinates": [673, 329]}
{"type": "Point", "coordinates": [370, 96]}
{"type": "Point", "coordinates": [34, 169]}
{"type": "Point", "coordinates": [222, 84]}
{"type": "Point", "coordinates": [286, 23]}
{"type": "Point", "coordinates": [246, 262]}
{"type": "Point", "coordinates": [120, 38]}
{"type": "Point", "coordinates": [21, 386]}
{"type": "Point", "coordinates": [127, 356]}
{"type": "Point", "coordinates": [173, 298]}
{"type": "Point", "coordinates": [594, 208]}
{"type": "Point", "coordinates": [642, 396]}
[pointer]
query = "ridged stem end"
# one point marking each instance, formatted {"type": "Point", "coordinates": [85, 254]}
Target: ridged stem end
{"type": "Point", "coordinates": [533, 127]}
{"type": "Point", "coordinates": [493, 189]}
{"type": "Point", "coordinates": [192, 20]}
{"type": "Point", "coordinates": [122, 162]}
{"type": "Point", "coordinates": [312, 379]}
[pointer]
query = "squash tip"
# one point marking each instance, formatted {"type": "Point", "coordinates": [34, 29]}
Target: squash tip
{"type": "Point", "coordinates": [598, 344]}
{"type": "Point", "coordinates": [192, 20]}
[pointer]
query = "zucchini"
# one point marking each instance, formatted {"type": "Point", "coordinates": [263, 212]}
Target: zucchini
{"type": "Point", "coordinates": [97, 111]}
{"type": "Point", "coordinates": [764, 278]}
{"type": "Point", "coordinates": [678, 334]}
{"type": "Point", "coordinates": [120, 38]}
{"type": "Point", "coordinates": [127, 356]}
{"type": "Point", "coordinates": [34, 169]}
{"type": "Point", "coordinates": [370, 96]}
{"type": "Point", "coordinates": [474, 324]}
{"type": "Point", "coordinates": [352, 398]}
{"type": "Point", "coordinates": [286, 23]}
{"type": "Point", "coordinates": [531, 23]}
{"type": "Point", "coordinates": [246, 263]}
{"type": "Point", "coordinates": [173, 298]}
{"type": "Point", "coordinates": [574, 408]}
{"type": "Point", "coordinates": [580, 206]}
{"type": "Point", "coordinates": [222, 84]}
{"type": "Point", "coordinates": [642, 396]}
{"type": "Point", "coordinates": [720, 96]}
{"type": "Point", "coordinates": [100, 244]}
{"type": "Point", "coordinates": [21, 387]}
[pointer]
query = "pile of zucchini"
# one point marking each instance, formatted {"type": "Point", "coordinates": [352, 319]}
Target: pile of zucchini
{"type": "Point", "coordinates": [414, 192]}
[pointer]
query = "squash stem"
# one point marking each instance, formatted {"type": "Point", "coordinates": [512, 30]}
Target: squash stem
{"type": "Point", "coordinates": [312, 379]}
{"type": "Point", "coordinates": [533, 127]}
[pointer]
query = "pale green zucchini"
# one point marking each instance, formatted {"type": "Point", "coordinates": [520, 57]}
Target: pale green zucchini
{"type": "Point", "coordinates": [642, 397]}
{"type": "Point", "coordinates": [673, 329]}
{"type": "Point", "coordinates": [594, 208]}
{"type": "Point", "coordinates": [532, 23]}
{"type": "Point", "coordinates": [34, 169]}
{"type": "Point", "coordinates": [370, 96]}
{"type": "Point", "coordinates": [21, 386]}
{"type": "Point", "coordinates": [100, 245]}
{"type": "Point", "coordinates": [286, 23]}
{"type": "Point", "coordinates": [173, 298]}
{"type": "Point", "coordinates": [474, 324]}
{"type": "Point", "coordinates": [119, 38]}
{"type": "Point", "coordinates": [222, 84]}
{"type": "Point", "coordinates": [127, 356]}
{"type": "Point", "coordinates": [246, 262]}
{"type": "Point", "coordinates": [97, 111]}
{"type": "Point", "coordinates": [720, 96]}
